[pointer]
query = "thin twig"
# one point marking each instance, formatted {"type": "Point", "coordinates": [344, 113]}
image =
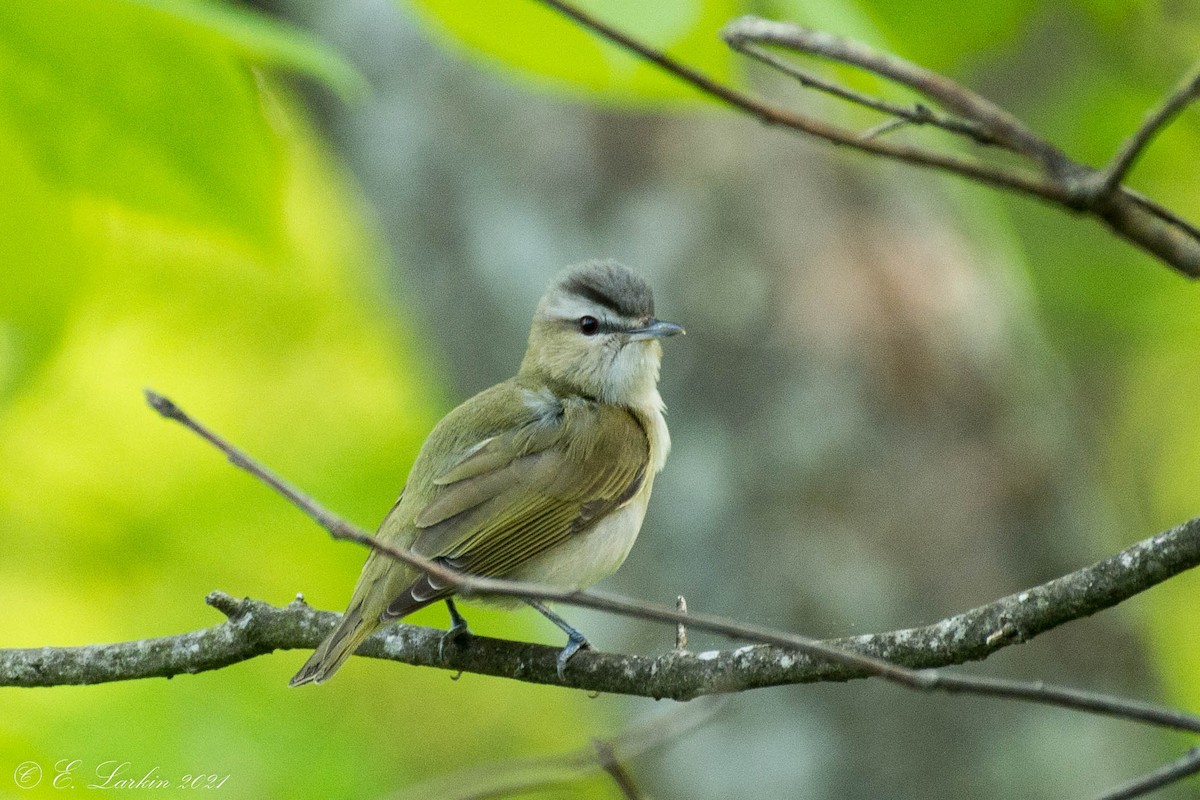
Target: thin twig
{"type": "Point", "coordinates": [620, 775]}
{"type": "Point", "coordinates": [518, 776]}
{"type": "Point", "coordinates": [326, 519]}
{"type": "Point", "coordinates": [680, 628]}
{"type": "Point", "coordinates": [995, 123]}
{"type": "Point", "coordinates": [1184, 93]}
{"type": "Point", "coordinates": [884, 128]}
{"type": "Point", "coordinates": [917, 114]}
{"type": "Point", "coordinates": [1187, 765]}
{"type": "Point", "coordinates": [1090, 589]}
{"type": "Point", "coordinates": [1162, 212]}
{"type": "Point", "coordinates": [1060, 181]}
{"type": "Point", "coordinates": [472, 584]}
{"type": "Point", "coordinates": [1026, 183]}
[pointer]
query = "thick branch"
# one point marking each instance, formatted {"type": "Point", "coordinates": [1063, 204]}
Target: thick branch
{"type": "Point", "coordinates": [865, 664]}
{"type": "Point", "coordinates": [256, 628]}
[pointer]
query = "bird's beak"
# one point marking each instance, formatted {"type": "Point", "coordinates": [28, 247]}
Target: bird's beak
{"type": "Point", "coordinates": [655, 329]}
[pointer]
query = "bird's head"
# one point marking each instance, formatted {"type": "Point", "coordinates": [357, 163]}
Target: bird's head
{"type": "Point", "coordinates": [594, 333]}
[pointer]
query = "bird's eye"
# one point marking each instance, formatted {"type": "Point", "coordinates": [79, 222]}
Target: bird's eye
{"type": "Point", "coordinates": [589, 326]}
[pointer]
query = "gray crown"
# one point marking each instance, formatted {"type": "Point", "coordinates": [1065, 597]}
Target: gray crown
{"type": "Point", "coordinates": [611, 285]}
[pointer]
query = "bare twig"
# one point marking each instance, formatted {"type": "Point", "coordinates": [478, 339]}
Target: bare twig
{"type": "Point", "coordinates": [1009, 620]}
{"type": "Point", "coordinates": [1162, 212]}
{"type": "Point", "coordinates": [1057, 180]}
{"type": "Point", "coordinates": [991, 121]}
{"type": "Point", "coordinates": [612, 765]}
{"type": "Point", "coordinates": [1026, 183]}
{"type": "Point", "coordinates": [530, 774]}
{"type": "Point", "coordinates": [1183, 94]}
{"type": "Point", "coordinates": [916, 114]}
{"type": "Point", "coordinates": [472, 584]}
{"type": "Point", "coordinates": [680, 628]}
{"type": "Point", "coordinates": [1149, 557]}
{"type": "Point", "coordinates": [336, 527]}
{"type": "Point", "coordinates": [1185, 766]}
{"type": "Point", "coordinates": [884, 128]}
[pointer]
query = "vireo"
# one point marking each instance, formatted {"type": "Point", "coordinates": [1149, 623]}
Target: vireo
{"type": "Point", "coordinates": [544, 477]}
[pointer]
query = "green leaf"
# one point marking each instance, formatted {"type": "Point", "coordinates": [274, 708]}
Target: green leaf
{"type": "Point", "coordinates": [40, 263]}
{"type": "Point", "coordinates": [553, 51]}
{"type": "Point", "coordinates": [116, 103]}
{"type": "Point", "coordinates": [263, 40]}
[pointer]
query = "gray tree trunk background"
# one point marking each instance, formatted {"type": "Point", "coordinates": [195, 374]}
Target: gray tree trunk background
{"type": "Point", "coordinates": [870, 430]}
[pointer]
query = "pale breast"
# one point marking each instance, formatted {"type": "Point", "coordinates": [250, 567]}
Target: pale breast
{"type": "Point", "coordinates": [590, 556]}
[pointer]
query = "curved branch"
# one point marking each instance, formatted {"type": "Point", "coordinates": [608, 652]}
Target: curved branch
{"type": "Point", "coordinates": [1022, 182]}
{"type": "Point", "coordinates": [1084, 592]}
{"type": "Point", "coordinates": [990, 120]}
{"type": "Point", "coordinates": [917, 114]}
{"type": "Point", "coordinates": [256, 628]}
{"type": "Point", "coordinates": [1058, 180]}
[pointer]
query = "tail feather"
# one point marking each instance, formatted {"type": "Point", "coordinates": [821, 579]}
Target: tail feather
{"type": "Point", "coordinates": [337, 647]}
{"type": "Point", "coordinates": [374, 603]}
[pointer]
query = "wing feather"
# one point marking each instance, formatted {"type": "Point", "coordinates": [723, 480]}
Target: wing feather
{"type": "Point", "coordinates": [514, 496]}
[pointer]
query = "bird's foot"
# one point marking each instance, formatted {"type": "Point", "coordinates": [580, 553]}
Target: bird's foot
{"type": "Point", "coordinates": [576, 642]}
{"type": "Point", "coordinates": [459, 630]}
{"type": "Point", "coordinates": [458, 634]}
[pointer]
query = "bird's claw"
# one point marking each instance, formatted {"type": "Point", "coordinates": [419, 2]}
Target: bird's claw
{"type": "Point", "coordinates": [458, 633]}
{"type": "Point", "coordinates": [575, 643]}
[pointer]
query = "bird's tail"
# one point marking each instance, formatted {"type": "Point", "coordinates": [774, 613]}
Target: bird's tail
{"type": "Point", "coordinates": [337, 647]}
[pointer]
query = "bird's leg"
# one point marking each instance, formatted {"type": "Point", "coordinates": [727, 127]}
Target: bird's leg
{"type": "Point", "coordinates": [458, 624]}
{"type": "Point", "coordinates": [458, 628]}
{"type": "Point", "coordinates": [576, 641]}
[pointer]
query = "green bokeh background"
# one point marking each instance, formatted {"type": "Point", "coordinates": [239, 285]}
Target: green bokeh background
{"type": "Point", "coordinates": [171, 220]}
{"type": "Point", "coordinates": [173, 217]}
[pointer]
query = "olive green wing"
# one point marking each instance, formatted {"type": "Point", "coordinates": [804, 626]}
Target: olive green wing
{"type": "Point", "coordinates": [514, 496]}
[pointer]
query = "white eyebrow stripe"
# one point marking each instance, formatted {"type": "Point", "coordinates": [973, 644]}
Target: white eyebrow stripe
{"type": "Point", "coordinates": [572, 307]}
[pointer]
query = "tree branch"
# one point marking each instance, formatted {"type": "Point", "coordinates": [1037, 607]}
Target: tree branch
{"type": "Point", "coordinates": [523, 775]}
{"type": "Point", "coordinates": [255, 628]}
{"type": "Point", "coordinates": [903, 657]}
{"type": "Point", "coordinates": [1081, 596]}
{"type": "Point", "coordinates": [612, 765]}
{"type": "Point", "coordinates": [1187, 764]}
{"type": "Point", "coordinates": [1056, 178]}
{"type": "Point", "coordinates": [917, 114]}
{"type": "Point", "coordinates": [1011, 180]}
{"type": "Point", "coordinates": [1183, 94]}
{"type": "Point", "coordinates": [985, 118]}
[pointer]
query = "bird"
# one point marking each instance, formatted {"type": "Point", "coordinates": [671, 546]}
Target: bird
{"type": "Point", "coordinates": [544, 477]}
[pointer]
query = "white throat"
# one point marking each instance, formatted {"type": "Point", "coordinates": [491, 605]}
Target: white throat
{"type": "Point", "coordinates": [632, 381]}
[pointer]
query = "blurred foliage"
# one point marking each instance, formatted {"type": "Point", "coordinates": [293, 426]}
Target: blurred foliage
{"type": "Point", "coordinates": [171, 219]}
{"type": "Point", "coordinates": [549, 48]}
